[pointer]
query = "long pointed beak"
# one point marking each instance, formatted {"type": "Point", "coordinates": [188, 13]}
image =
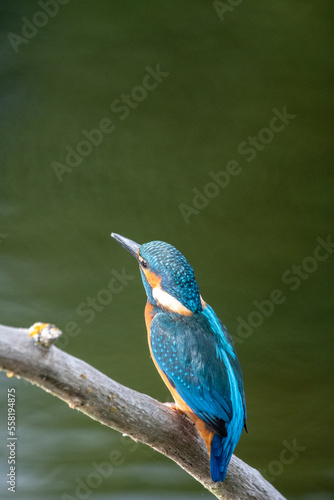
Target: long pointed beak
{"type": "Point", "coordinates": [129, 245]}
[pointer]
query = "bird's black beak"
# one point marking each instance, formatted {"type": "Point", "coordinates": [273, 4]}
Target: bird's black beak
{"type": "Point", "coordinates": [129, 245]}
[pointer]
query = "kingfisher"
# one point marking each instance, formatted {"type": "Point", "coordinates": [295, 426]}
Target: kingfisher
{"type": "Point", "coordinates": [192, 350]}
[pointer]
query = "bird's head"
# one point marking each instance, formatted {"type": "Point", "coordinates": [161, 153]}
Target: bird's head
{"type": "Point", "coordinates": [168, 278]}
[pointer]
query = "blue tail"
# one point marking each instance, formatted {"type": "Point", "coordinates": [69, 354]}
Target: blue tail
{"type": "Point", "coordinates": [221, 452]}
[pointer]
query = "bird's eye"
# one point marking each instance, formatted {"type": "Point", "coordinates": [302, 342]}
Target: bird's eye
{"type": "Point", "coordinates": [143, 263]}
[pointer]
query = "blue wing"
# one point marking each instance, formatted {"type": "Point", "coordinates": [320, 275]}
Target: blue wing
{"type": "Point", "coordinates": [225, 340]}
{"type": "Point", "coordinates": [189, 351]}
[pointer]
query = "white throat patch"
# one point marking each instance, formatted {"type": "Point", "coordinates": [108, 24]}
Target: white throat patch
{"type": "Point", "coordinates": [165, 300]}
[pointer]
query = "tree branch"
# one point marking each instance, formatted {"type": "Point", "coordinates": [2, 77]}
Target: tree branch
{"type": "Point", "coordinates": [137, 415]}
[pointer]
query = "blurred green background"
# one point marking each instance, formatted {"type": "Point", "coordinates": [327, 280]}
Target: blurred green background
{"type": "Point", "coordinates": [227, 72]}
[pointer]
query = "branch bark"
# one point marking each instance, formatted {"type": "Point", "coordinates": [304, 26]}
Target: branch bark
{"type": "Point", "coordinates": [137, 415]}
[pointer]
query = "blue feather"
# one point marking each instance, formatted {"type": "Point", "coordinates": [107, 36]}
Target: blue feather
{"type": "Point", "coordinates": [198, 358]}
{"type": "Point", "coordinates": [195, 352]}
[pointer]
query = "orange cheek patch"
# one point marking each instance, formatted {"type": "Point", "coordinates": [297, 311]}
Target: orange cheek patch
{"type": "Point", "coordinates": [152, 278]}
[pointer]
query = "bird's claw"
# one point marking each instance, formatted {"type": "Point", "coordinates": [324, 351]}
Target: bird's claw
{"type": "Point", "coordinates": [174, 407]}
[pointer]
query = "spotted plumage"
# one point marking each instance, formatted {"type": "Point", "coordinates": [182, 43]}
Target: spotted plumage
{"type": "Point", "coordinates": [192, 350]}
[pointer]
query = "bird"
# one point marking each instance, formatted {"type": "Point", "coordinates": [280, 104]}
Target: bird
{"type": "Point", "coordinates": [192, 350]}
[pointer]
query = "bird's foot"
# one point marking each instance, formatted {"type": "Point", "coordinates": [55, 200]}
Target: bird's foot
{"type": "Point", "coordinates": [174, 407]}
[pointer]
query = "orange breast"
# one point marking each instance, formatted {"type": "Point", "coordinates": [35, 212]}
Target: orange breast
{"type": "Point", "coordinates": [204, 432]}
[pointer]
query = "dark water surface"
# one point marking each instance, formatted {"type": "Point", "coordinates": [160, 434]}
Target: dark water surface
{"type": "Point", "coordinates": [222, 147]}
